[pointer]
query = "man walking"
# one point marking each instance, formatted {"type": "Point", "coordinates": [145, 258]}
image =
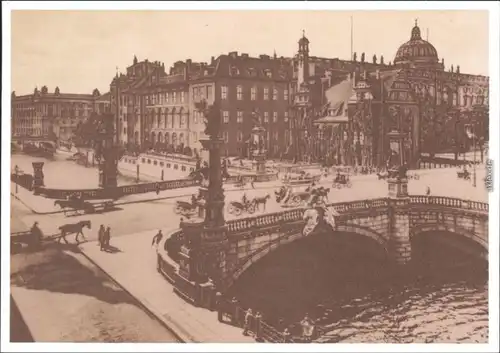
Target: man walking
{"type": "Point", "coordinates": [100, 236]}
{"type": "Point", "coordinates": [157, 239]}
{"type": "Point", "coordinates": [107, 237]}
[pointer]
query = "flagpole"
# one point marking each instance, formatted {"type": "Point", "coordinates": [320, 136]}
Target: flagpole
{"type": "Point", "coordinates": [351, 39]}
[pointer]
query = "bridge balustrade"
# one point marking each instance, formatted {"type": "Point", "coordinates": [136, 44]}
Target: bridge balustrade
{"type": "Point", "coordinates": [449, 202]}
{"type": "Point", "coordinates": [117, 191]}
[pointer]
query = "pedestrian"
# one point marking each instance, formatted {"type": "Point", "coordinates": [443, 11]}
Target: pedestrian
{"type": "Point", "coordinates": [258, 320]}
{"type": "Point", "coordinates": [251, 183]}
{"type": "Point", "coordinates": [157, 187]}
{"type": "Point", "coordinates": [287, 336]}
{"type": "Point", "coordinates": [107, 237]}
{"type": "Point", "coordinates": [100, 236]}
{"type": "Point", "coordinates": [248, 322]}
{"type": "Point", "coordinates": [428, 191]}
{"type": "Point", "coordinates": [157, 238]}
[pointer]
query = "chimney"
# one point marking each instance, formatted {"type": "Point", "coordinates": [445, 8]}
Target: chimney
{"type": "Point", "coordinates": [212, 60]}
{"type": "Point", "coordinates": [233, 54]}
{"type": "Point", "coordinates": [244, 55]}
{"type": "Point", "coordinates": [187, 68]}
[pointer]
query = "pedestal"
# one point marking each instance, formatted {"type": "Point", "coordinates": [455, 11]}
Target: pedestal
{"type": "Point", "coordinates": [259, 161]}
{"type": "Point", "coordinates": [107, 175]}
{"type": "Point", "coordinates": [38, 174]}
{"type": "Point", "coordinates": [397, 187]}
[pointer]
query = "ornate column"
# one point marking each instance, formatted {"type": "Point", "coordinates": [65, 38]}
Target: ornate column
{"type": "Point", "coordinates": [400, 246]}
{"type": "Point", "coordinates": [37, 175]}
{"type": "Point", "coordinates": [202, 255]}
{"type": "Point", "coordinates": [106, 153]}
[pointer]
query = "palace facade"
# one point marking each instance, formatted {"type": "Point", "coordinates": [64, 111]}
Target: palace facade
{"type": "Point", "coordinates": [47, 115]}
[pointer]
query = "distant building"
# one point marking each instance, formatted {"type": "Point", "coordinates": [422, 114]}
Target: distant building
{"type": "Point", "coordinates": [344, 109]}
{"type": "Point", "coordinates": [315, 109]}
{"type": "Point", "coordinates": [53, 115]}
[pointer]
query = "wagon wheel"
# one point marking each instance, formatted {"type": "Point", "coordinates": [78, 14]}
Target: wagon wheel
{"type": "Point", "coordinates": [337, 186]}
{"type": "Point", "coordinates": [251, 208]}
{"type": "Point", "coordinates": [237, 211]}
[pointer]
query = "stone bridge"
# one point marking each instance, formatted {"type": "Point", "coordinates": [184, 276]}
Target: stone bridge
{"type": "Point", "coordinates": [391, 222]}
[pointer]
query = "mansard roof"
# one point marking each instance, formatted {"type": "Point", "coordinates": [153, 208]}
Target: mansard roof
{"type": "Point", "coordinates": [263, 68]}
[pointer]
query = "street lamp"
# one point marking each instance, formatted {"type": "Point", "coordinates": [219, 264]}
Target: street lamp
{"type": "Point", "coordinates": [16, 171]}
{"type": "Point", "coordinates": [471, 133]}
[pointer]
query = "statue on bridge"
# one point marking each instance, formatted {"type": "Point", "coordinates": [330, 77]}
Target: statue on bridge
{"type": "Point", "coordinates": [319, 219]}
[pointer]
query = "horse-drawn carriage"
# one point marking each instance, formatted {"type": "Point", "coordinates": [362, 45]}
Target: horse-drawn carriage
{"type": "Point", "coordinates": [342, 181]}
{"type": "Point", "coordinates": [185, 208]}
{"type": "Point", "coordinates": [237, 207]}
{"type": "Point", "coordinates": [288, 197]}
{"type": "Point", "coordinates": [74, 206]}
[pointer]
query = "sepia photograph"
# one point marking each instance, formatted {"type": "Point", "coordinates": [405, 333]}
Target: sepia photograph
{"type": "Point", "coordinates": [266, 173]}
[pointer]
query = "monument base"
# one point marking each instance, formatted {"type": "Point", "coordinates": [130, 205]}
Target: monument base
{"type": "Point", "coordinates": [259, 164]}
{"type": "Point", "coordinates": [397, 187]}
{"type": "Point", "coordinates": [107, 176]}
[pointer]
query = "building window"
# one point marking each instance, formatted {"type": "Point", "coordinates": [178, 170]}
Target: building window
{"type": "Point", "coordinates": [239, 117]}
{"type": "Point", "coordinates": [166, 97]}
{"type": "Point", "coordinates": [253, 93]}
{"type": "Point", "coordinates": [275, 94]}
{"type": "Point", "coordinates": [275, 117]}
{"type": "Point", "coordinates": [209, 93]}
{"type": "Point", "coordinates": [276, 135]}
{"type": "Point", "coordinates": [240, 136]}
{"type": "Point", "coordinates": [268, 73]}
{"type": "Point", "coordinates": [266, 93]}
{"type": "Point", "coordinates": [266, 117]}
{"type": "Point", "coordinates": [223, 92]}
{"type": "Point", "coordinates": [182, 97]}
{"type": "Point", "coordinates": [225, 134]}
{"type": "Point", "coordinates": [225, 116]}
{"type": "Point", "coordinates": [285, 94]}
{"type": "Point", "coordinates": [239, 93]}
{"type": "Point", "coordinates": [286, 117]}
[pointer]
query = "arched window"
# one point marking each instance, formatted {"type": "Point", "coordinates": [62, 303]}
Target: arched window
{"type": "Point", "coordinates": [159, 118]}
{"type": "Point", "coordinates": [181, 138]}
{"type": "Point", "coordinates": [153, 138]}
{"type": "Point", "coordinates": [160, 137]}
{"type": "Point", "coordinates": [167, 138]}
{"type": "Point", "coordinates": [174, 139]}
{"type": "Point", "coordinates": [173, 118]}
{"type": "Point", "coordinates": [164, 124]}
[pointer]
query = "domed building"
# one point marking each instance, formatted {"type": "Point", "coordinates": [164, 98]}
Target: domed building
{"type": "Point", "coordinates": [417, 53]}
{"type": "Point", "coordinates": [349, 106]}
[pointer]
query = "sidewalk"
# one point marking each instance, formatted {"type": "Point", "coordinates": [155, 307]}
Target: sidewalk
{"type": "Point", "coordinates": [134, 268]}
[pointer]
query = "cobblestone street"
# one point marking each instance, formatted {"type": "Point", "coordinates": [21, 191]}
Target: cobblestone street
{"type": "Point", "coordinates": [64, 297]}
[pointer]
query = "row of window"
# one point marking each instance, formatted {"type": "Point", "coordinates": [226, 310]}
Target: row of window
{"type": "Point", "coordinates": [165, 98]}
{"type": "Point", "coordinates": [254, 92]}
{"type": "Point", "coordinates": [274, 136]}
{"type": "Point", "coordinates": [239, 117]}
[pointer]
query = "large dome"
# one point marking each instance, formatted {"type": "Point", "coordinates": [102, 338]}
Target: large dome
{"type": "Point", "coordinates": [416, 50]}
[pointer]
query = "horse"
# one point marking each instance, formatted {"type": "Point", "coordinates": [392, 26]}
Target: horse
{"type": "Point", "coordinates": [280, 194]}
{"type": "Point", "coordinates": [73, 228]}
{"type": "Point", "coordinates": [322, 193]}
{"type": "Point", "coordinates": [261, 200]}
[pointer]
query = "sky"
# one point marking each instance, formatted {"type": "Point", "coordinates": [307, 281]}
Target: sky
{"type": "Point", "coordinates": [81, 50]}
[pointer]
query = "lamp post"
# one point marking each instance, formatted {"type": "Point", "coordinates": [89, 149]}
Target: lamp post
{"type": "Point", "coordinates": [16, 170]}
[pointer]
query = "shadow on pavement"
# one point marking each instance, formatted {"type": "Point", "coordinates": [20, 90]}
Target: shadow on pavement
{"type": "Point", "coordinates": [112, 249]}
{"type": "Point", "coordinates": [56, 271]}
{"type": "Point", "coordinates": [19, 331]}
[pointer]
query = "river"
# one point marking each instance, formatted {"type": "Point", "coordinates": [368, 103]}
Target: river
{"type": "Point", "coordinates": [348, 288]}
{"type": "Point", "coordinates": [63, 174]}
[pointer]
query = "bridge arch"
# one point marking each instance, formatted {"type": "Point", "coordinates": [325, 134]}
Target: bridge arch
{"type": "Point", "coordinates": [450, 229]}
{"type": "Point", "coordinates": [279, 242]}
